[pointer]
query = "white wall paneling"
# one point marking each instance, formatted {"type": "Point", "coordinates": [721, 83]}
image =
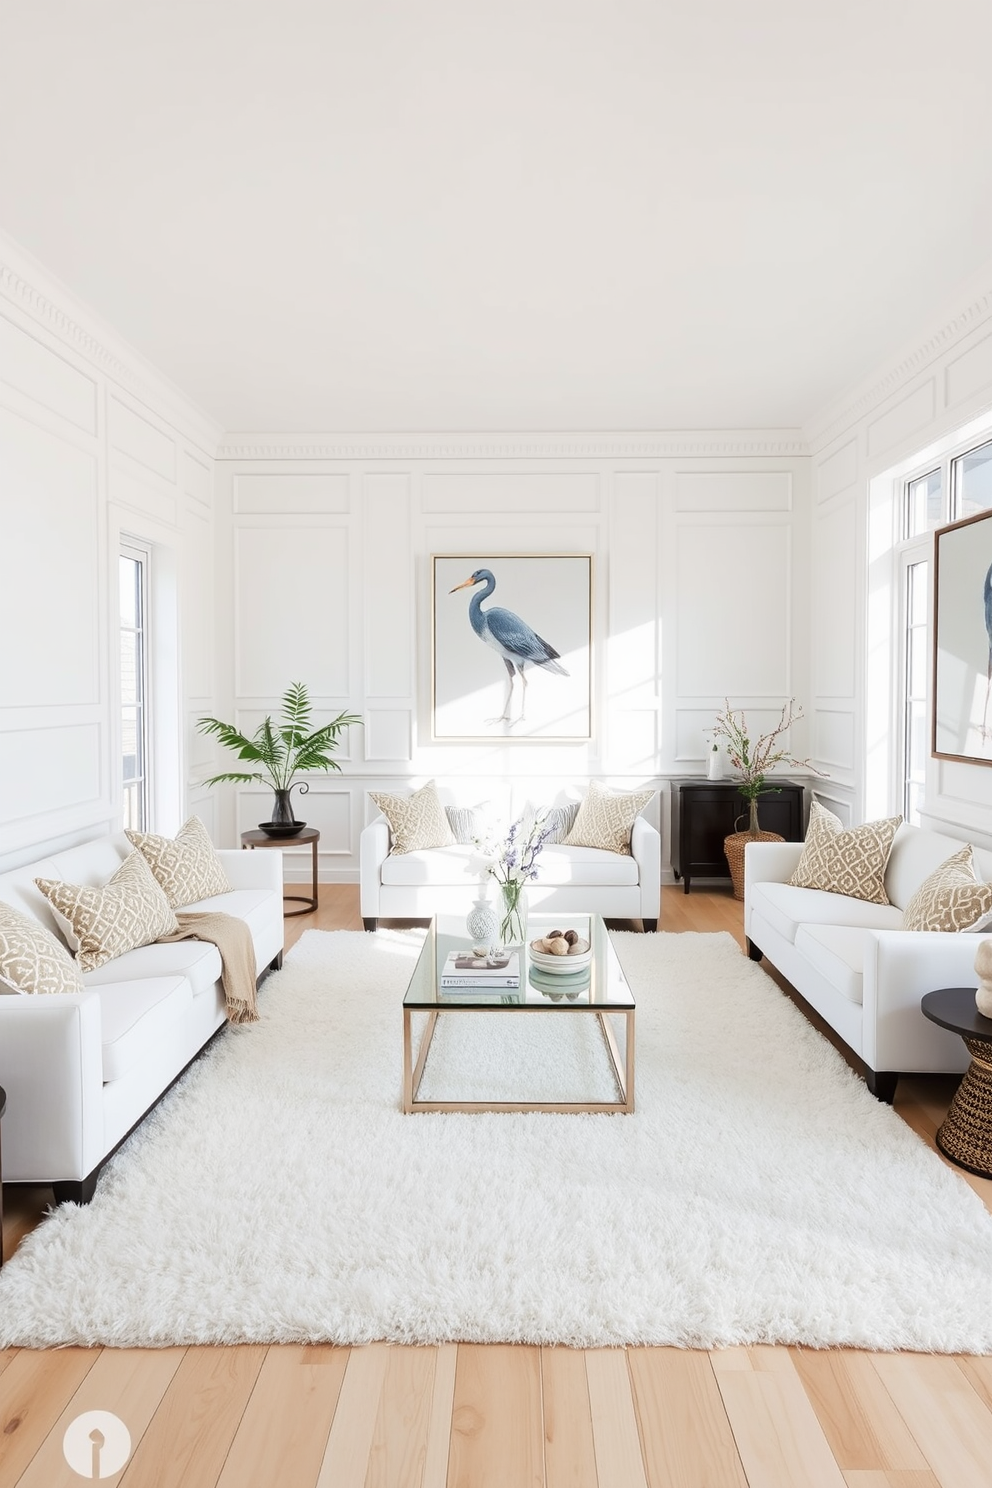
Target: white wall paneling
{"type": "Point", "coordinates": [52, 597]}
{"type": "Point", "coordinates": [29, 367]}
{"type": "Point", "coordinates": [838, 472]}
{"type": "Point", "coordinates": [630, 674]}
{"type": "Point", "coordinates": [291, 492]}
{"type": "Point", "coordinates": [733, 491]}
{"type": "Point", "coordinates": [506, 492]}
{"type": "Point", "coordinates": [387, 592]}
{"type": "Point", "coordinates": [901, 422]}
{"type": "Point", "coordinates": [292, 608]}
{"type": "Point", "coordinates": [835, 580]}
{"type": "Point", "coordinates": [388, 734]}
{"type": "Point", "coordinates": [83, 423]}
{"type": "Point", "coordinates": [833, 738]}
{"type": "Point", "coordinates": [733, 609]}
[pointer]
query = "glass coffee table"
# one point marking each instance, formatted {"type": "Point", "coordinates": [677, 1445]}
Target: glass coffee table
{"type": "Point", "coordinates": [599, 989]}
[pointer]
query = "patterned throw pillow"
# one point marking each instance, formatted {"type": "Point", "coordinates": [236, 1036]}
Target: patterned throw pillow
{"type": "Point", "coordinates": [952, 898]}
{"type": "Point", "coordinates": [416, 821]}
{"type": "Point", "coordinates": [469, 824]}
{"type": "Point", "coordinates": [605, 818]}
{"type": "Point", "coordinates": [186, 866]}
{"type": "Point", "coordinates": [129, 911]}
{"type": "Point", "coordinates": [843, 860]}
{"type": "Point", "coordinates": [558, 820]}
{"type": "Point", "coordinates": [31, 959]}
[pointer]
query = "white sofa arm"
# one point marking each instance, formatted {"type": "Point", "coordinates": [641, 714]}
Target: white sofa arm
{"type": "Point", "coordinates": [767, 862]}
{"type": "Point", "coordinates": [260, 868]}
{"type": "Point", "coordinates": [373, 850]}
{"type": "Point", "coordinates": [900, 967]}
{"type": "Point", "coordinates": [51, 1067]}
{"type": "Point", "coordinates": [645, 849]}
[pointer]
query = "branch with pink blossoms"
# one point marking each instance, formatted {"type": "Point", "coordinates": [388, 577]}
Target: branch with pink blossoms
{"type": "Point", "coordinates": [755, 759]}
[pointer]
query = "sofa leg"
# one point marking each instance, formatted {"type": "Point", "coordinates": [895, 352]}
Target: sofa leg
{"type": "Point", "coordinates": [650, 926]}
{"type": "Point", "coordinates": [74, 1191]}
{"type": "Point", "coordinates": [882, 1084]}
{"type": "Point", "coordinates": [276, 963]}
{"type": "Point", "coordinates": [754, 951]}
{"type": "Point", "coordinates": [370, 922]}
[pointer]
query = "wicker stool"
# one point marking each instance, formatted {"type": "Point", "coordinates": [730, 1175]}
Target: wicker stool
{"type": "Point", "coordinates": [733, 847]}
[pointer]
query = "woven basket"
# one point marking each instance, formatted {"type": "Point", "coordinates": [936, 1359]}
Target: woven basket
{"type": "Point", "coordinates": [733, 847]}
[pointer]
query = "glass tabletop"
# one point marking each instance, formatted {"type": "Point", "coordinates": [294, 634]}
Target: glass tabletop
{"type": "Point", "coordinates": [600, 983]}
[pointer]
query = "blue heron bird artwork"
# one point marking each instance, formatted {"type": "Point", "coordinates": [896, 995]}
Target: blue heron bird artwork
{"type": "Point", "coordinates": [962, 702]}
{"type": "Point", "coordinates": [512, 664]}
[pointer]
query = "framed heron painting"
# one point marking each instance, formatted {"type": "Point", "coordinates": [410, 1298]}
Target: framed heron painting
{"type": "Point", "coordinates": [962, 641]}
{"type": "Point", "coordinates": [511, 647]}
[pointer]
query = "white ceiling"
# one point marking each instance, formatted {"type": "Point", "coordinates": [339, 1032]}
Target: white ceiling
{"type": "Point", "coordinates": [503, 214]}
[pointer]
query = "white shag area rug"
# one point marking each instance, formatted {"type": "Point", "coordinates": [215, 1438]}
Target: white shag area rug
{"type": "Point", "coordinates": [758, 1194]}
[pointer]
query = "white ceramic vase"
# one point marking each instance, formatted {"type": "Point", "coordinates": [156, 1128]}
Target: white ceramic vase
{"type": "Point", "coordinates": [482, 924]}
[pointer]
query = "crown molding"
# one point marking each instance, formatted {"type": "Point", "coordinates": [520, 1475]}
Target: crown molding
{"type": "Point", "coordinates": [100, 346]}
{"type": "Point", "coordinates": [839, 417]}
{"type": "Point", "coordinates": [750, 444]}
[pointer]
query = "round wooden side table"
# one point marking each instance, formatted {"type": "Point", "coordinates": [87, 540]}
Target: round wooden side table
{"type": "Point", "coordinates": [965, 1134]}
{"type": "Point", "coordinates": [255, 839]}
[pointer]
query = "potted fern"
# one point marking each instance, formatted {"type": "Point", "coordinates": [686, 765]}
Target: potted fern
{"type": "Point", "coordinates": [280, 752]}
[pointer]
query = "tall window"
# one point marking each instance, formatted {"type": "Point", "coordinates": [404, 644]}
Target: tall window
{"type": "Point", "coordinates": [960, 486]}
{"type": "Point", "coordinates": [133, 568]}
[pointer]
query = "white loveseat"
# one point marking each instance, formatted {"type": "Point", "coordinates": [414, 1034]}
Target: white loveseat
{"type": "Point", "coordinates": [855, 964]}
{"type": "Point", "coordinates": [572, 880]}
{"type": "Point", "coordinates": [81, 1069]}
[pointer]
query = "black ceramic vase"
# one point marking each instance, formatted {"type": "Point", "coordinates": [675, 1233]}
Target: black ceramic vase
{"type": "Point", "coordinates": [284, 823]}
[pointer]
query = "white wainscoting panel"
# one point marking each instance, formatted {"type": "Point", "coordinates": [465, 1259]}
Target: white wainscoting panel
{"type": "Point", "coordinates": [198, 599]}
{"type": "Point", "coordinates": [198, 479]}
{"type": "Point", "coordinates": [143, 441]}
{"type": "Point", "coordinates": [733, 610]}
{"type": "Point", "coordinates": [733, 491]}
{"type": "Point", "coordinates": [908, 419]}
{"type": "Point", "coordinates": [838, 471]}
{"type": "Point", "coordinates": [388, 734]}
{"type": "Point", "coordinates": [692, 725]}
{"type": "Point", "coordinates": [56, 768]}
{"type": "Point", "coordinates": [833, 738]}
{"type": "Point", "coordinates": [151, 498]}
{"type": "Point", "coordinates": [50, 599]}
{"type": "Point", "coordinates": [835, 555]}
{"type": "Point", "coordinates": [970, 373]}
{"type": "Point", "coordinates": [510, 491]}
{"type": "Point", "coordinates": [27, 364]}
{"type": "Point", "coordinates": [387, 592]}
{"type": "Point", "coordinates": [288, 493]}
{"type": "Point", "coordinates": [292, 608]}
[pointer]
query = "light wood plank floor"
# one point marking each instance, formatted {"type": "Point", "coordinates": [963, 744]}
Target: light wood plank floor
{"type": "Point", "coordinates": [466, 1416]}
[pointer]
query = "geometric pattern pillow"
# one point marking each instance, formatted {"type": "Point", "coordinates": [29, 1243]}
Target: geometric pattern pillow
{"type": "Point", "coordinates": [186, 866]}
{"type": "Point", "coordinates": [952, 898]}
{"type": "Point", "coordinates": [31, 959]}
{"type": "Point", "coordinates": [416, 821]}
{"type": "Point", "coordinates": [129, 911]}
{"type": "Point", "coordinates": [843, 860]}
{"type": "Point", "coordinates": [605, 818]}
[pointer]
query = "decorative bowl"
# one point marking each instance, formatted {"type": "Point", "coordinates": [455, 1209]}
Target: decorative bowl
{"type": "Point", "coordinates": [281, 829]}
{"type": "Point", "coordinates": [577, 959]}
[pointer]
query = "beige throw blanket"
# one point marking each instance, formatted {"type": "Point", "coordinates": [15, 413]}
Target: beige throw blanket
{"type": "Point", "coordinates": [233, 939]}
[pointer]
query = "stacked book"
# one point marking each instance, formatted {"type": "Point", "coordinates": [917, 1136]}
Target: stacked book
{"type": "Point", "coordinates": [468, 973]}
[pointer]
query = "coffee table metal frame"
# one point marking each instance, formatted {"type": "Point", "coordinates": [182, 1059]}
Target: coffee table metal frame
{"type": "Point", "coordinates": [607, 995]}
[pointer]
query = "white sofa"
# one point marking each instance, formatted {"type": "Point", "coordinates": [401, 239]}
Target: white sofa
{"type": "Point", "coordinates": [81, 1069]}
{"type": "Point", "coordinates": [855, 964]}
{"type": "Point", "coordinates": [574, 880]}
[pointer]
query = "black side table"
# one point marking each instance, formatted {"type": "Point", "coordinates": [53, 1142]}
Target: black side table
{"type": "Point", "coordinates": [965, 1134]}
{"type": "Point", "coordinates": [255, 839]}
{"type": "Point", "coordinates": [704, 812]}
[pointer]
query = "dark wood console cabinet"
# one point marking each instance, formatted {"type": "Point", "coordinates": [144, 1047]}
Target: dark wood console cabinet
{"type": "Point", "coordinates": [704, 812]}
